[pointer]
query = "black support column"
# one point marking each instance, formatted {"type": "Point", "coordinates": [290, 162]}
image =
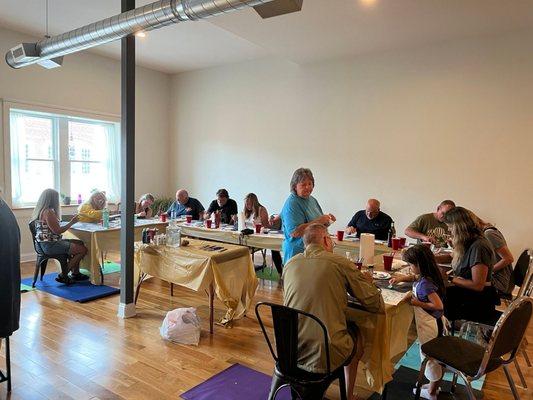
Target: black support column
{"type": "Point", "coordinates": [127, 170]}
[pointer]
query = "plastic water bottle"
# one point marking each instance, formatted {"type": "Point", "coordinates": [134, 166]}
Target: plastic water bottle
{"type": "Point", "coordinates": [105, 218]}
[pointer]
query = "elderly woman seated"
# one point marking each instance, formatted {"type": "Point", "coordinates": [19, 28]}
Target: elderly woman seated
{"type": "Point", "coordinates": [91, 210]}
{"type": "Point", "coordinates": [143, 208]}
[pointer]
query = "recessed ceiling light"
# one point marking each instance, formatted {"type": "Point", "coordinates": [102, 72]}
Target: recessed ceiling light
{"type": "Point", "coordinates": [140, 34]}
{"type": "Point", "coordinates": [368, 3]}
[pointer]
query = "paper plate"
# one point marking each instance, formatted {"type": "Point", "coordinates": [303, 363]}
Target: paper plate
{"type": "Point", "coordinates": [381, 275]}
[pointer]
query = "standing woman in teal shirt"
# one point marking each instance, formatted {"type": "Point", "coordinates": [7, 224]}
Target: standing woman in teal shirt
{"type": "Point", "coordinates": [300, 210]}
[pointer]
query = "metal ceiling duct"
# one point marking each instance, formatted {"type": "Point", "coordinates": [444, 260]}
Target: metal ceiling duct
{"type": "Point", "coordinates": [48, 52]}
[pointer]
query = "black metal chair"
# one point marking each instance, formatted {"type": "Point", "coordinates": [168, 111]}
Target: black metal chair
{"type": "Point", "coordinates": [522, 274]}
{"type": "Point", "coordinates": [42, 259]}
{"type": "Point", "coordinates": [7, 376]}
{"type": "Point", "coordinates": [470, 360]}
{"type": "Point", "coordinates": [304, 385]}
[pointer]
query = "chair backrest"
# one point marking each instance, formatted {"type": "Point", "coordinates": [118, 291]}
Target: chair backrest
{"type": "Point", "coordinates": [33, 231]}
{"type": "Point", "coordinates": [509, 331]}
{"type": "Point", "coordinates": [527, 285]}
{"type": "Point", "coordinates": [521, 267]}
{"type": "Point", "coordinates": [286, 321]}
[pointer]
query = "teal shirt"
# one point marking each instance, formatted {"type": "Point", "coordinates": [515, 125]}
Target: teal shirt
{"type": "Point", "coordinates": [297, 211]}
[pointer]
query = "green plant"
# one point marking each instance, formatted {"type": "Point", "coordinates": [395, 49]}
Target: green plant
{"type": "Point", "coordinates": [161, 205]}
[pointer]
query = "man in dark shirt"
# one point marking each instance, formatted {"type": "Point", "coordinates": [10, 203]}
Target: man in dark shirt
{"type": "Point", "coordinates": [226, 206]}
{"type": "Point", "coordinates": [185, 205]}
{"type": "Point", "coordinates": [370, 220]}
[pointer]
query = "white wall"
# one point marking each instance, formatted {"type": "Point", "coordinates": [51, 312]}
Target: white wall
{"type": "Point", "coordinates": [410, 128]}
{"type": "Point", "coordinates": [92, 83]}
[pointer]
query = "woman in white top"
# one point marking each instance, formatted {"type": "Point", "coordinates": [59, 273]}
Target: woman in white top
{"type": "Point", "coordinates": [255, 213]}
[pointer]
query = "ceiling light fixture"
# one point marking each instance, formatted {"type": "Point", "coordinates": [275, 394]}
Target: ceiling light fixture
{"type": "Point", "coordinates": [140, 34]}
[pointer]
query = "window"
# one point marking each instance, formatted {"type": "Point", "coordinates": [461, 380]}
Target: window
{"type": "Point", "coordinates": [70, 154]}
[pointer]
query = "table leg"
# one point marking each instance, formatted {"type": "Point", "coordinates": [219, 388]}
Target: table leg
{"type": "Point", "coordinates": [171, 289]}
{"type": "Point", "coordinates": [211, 308]}
{"type": "Point", "coordinates": [138, 289]}
{"type": "Point", "coordinates": [102, 267]}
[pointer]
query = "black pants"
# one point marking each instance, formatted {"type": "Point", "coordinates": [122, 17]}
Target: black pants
{"type": "Point", "coordinates": [276, 259]}
{"type": "Point", "coordinates": [461, 303]}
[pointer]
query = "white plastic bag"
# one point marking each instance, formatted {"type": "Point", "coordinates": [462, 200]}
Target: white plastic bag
{"type": "Point", "coordinates": [181, 325]}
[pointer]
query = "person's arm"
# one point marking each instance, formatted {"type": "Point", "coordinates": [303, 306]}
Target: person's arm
{"type": "Point", "coordinates": [150, 213]}
{"type": "Point", "coordinates": [50, 217]}
{"type": "Point", "coordinates": [417, 235]}
{"type": "Point", "coordinates": [479, 277]}
{"type": "Point", "coordinates": [506, 258]}
{"type": "Point", "coordinates": [364, 290]}
{"type": "Point", "coordinates": [90, 213]}
{"type": "Point", "coordinates": [210, 210]}
{"type": "Point", "coordinates": [263, 215]}
{"type": "Point", "coordinates": [434, 303]}
{"type": "Point", "coordinates": [402, 278]}
{"type": "Point", "coordinates": [299, 230]}
{"type": "Point", "coordinates": [201, 209]}
{"type": "Point", "coordinates": [351, 227]}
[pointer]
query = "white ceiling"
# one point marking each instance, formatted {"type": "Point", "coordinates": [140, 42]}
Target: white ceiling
{"type": "Point", "coordinates": [324, 29]}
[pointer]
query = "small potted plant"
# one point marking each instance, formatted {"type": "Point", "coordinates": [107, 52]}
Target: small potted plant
{"type": "Point", "coordinates": [66, 199]}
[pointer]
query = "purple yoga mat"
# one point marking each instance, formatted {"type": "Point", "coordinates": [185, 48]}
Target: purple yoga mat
{"type": "Point", "coordinates": [235, 383]}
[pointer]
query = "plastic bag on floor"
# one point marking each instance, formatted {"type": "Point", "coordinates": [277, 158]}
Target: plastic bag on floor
{"type": "Point", "coordinates": [181, 325]}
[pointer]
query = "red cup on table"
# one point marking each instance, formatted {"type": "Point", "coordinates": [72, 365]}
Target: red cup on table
{"type": "Point", "coordinates": [163, 217]}
{"type": "Point", "coordinates": [402, 242]}
{"type": "Point", "coordinates": [188, 218]}
{"type": "Point", "coordinates": [340, 235]}
{"type": "Point", "coordinates": [358, 265]}
{"type": "Point", "coordinates": [395, 243]}
{"type": "Point", "coordinates": [258, 228]}
{"type": "Point", "coordinates": [387, 261]}
{"type": "Point", "coordinates": [208, 223]}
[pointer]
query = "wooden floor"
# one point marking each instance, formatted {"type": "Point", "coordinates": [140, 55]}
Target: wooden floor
{"type": "Point", "coordinates": [66, 350]}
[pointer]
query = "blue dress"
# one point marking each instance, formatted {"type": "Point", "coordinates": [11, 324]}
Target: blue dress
{"type": "Point", "coordinates": [296, 211]}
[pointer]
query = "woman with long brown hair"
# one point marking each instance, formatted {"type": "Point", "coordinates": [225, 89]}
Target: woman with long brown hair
{"type": "Point", "coordinates": [255, 213]}
{"type": "Point", "coordinates": [471, 295]}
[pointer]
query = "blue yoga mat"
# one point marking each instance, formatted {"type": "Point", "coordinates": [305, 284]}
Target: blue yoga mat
{"type": "Point", "coordinates": [80, 291]}
{"type": "Point", "coordinates": [237, 383]}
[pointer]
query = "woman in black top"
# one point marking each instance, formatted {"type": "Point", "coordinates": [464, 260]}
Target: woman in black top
{"type": "Point", "coordinates": [471, 295]}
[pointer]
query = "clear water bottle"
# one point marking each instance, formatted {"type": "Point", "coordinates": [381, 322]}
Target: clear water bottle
{"type": "Point", "coordinates": [173, 235]}
{"type": "Point", "coordinates": [105, 218]}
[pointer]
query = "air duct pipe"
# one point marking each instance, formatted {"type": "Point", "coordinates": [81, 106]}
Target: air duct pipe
{"type": "Point", "coordinates": [48, 52]}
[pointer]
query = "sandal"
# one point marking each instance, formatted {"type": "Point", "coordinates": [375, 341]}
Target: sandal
{"type": "Point", "coordinates": [64, 279]}
{"type": "Point", "coordinates": [79, 276]}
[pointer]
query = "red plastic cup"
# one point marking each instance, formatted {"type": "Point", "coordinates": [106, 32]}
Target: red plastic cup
{"type": "Point", "coordinates": [402, 242]}
{"type": "Point", "coordinates": [340, 235]}
{"type": "Point", "coordinates": [151, 234]}
{"type": "Point", "coordinates": [208, 223]}
{"type": "Point", "coordinates": [387, 262]}
{"type": "Point", "coordinates": [163, 217]}
{"type": "Point", "coordinates": [359, 265]}
{"type": "Point", "coordinates": [188, 218]}
{"type": "Point", "coordinates": [258, 228]}
{"type": "Point", "coordinates": [395, 243]}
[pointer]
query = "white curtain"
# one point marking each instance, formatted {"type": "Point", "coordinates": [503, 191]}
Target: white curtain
{"type": "Point", "coordinates": [113, 162]}
{"type": "Point", "coordinates": [16, 128]}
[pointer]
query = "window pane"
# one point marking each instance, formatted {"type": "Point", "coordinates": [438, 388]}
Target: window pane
{"type": "Point", "coordinates": [86, 141]}
{"type": "Point", "coordinates": [35, 177]}
{"type": "Point", "coordinates": [36, 140]}
{"type": "Point", "coordinates": [85, 177]}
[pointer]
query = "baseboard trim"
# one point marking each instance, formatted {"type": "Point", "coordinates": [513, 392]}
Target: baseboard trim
{"type": "Point", "coordinates": [27, 257]}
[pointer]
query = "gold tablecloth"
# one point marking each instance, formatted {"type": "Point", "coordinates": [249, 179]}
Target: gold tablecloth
{"type": "Point", "coordinates": [231, 271]}
{"type": "Point", "coordinates": [270, 241]}
{"type": "Point", "coordinates": [384, 337]}
{"type": "Point", "coordinates": [99, 240]}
